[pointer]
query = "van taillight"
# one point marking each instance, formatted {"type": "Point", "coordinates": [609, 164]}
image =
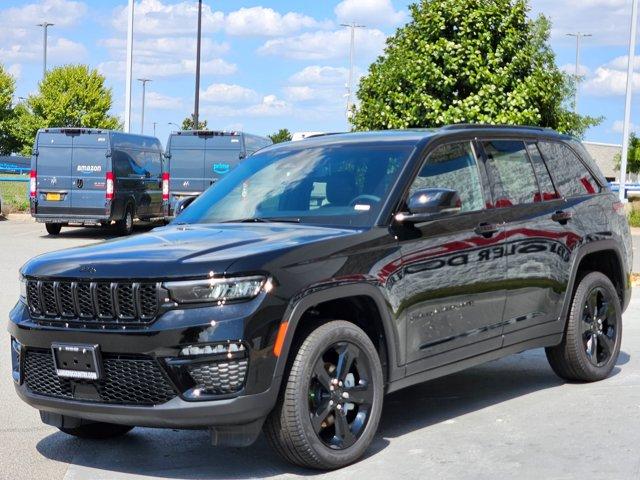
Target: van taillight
{"type": "Point", "coordinates": [33, 177]}
{"type": "Point", "coordinates": [165, 186]}
{"type": "Point", "coordinates": [109, 194]}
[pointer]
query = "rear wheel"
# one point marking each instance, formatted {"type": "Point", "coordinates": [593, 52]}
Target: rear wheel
{"type": "Point", "coordinates": [125, 226]}
{"type": "Point", "coordinates": [53, 228]}
{"type": "Point", "coordinates": [97, 431]}
{"type": "Point", "coordinates": [329, 410]}
{"type": "Point", "coordinates": [593, 333]}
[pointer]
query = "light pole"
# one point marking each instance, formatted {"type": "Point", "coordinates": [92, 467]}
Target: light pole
{"type": "Point", "coordinates": [579, 36]}
{"type": "Point", "coordinates": [45, 27]}
{"type": "Point", "coordinates": [154, 128]}
{"type": "Point", "coordinates": [196, 106]}
{"type": "Point", "coordinates": [144, 93]}
{"type": "Point", "coordinates": [129, 73]}
{"type": "Point", "coordinates": [352, 26]}
{"type": "Point", "coordinates": [175, 125]}
{"type": "Point", "coordinates": [627, 107]}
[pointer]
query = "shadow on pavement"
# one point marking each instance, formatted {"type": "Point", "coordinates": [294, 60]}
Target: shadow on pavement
{"type": "Point", "coordinates": [188, 454]}
{"type": "Point", "coordinates": [100, 233]}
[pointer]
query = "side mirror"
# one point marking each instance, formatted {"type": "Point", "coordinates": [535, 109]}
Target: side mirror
{"type": "Point", "coordinates": [429, 203]}
{"type": "Point", "coordinates": [182, 205]}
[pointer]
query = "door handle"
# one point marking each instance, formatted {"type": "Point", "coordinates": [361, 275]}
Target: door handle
{"type": "Point", "coordinates": [487, 230]}
{"type": "Point", "coordinates": [562, 217]}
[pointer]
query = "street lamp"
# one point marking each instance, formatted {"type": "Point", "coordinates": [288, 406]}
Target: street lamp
{"type": "Point", "coordinates": [196, 106]}
{"type": "Point", "coordinates": [154, 128]}
{"type": "Point", "coordinates": [175, 125]}
{"type": "Point", "coordinates": [349, 95]}
{"type": "Point", "coordinates": [129, 68]}
{"type": "Point", "coordinates": [144, 92]}
{"type": "Point", "coordinates": [579, 36]}
{"type": "Point", "coordinates": [45, 27]}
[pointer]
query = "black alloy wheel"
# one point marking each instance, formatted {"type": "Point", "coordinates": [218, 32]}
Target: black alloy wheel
{"type": "Point", "coordinates": [599, 324]}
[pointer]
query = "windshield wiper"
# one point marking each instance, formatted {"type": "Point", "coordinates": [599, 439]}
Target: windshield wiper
{"type": "Point", "coordinates": [265, 220]}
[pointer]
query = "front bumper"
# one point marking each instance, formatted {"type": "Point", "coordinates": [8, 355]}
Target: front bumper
{"type": "Point", "coordinates": [163, 341]}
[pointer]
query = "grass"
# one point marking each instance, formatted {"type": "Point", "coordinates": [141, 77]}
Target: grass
{"type": "Point", "coordinates": [14, 195]}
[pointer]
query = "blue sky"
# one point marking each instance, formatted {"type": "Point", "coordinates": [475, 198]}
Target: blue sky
{"type": "Point", "coordinates": [279, 63]}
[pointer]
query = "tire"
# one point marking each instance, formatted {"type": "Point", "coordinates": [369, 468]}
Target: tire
{"type": "Point", "coordinates": [314, 370]}
{"type": "Point", "coordinates": [97, 431]}
{"type": "Point", "coordinates": [53, 228]}
{"type": "Point", "coordinates": [574, 358]}
{"type": "Point", "coordinates": [125, 226]}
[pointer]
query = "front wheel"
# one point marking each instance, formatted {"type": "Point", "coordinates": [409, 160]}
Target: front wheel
{"type": "Point", "coordinates": [97, 431]}
{"type": "Point", "coordinates": [591, 343]}
{"type": "Point", "coordinates": [328, 412]}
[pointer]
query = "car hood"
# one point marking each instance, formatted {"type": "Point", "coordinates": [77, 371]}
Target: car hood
{"type": "Point", "coordinates": [179, 251]}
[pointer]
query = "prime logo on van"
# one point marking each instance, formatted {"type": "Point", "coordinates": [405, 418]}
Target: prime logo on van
{"type": "Point", "coordinates": [221, 168]}
{"type": "Point", "coordinates": [89, 168]}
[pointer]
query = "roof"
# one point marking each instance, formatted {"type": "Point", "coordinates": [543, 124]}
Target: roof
{"type": "Point", "coordinates": [81, 130]}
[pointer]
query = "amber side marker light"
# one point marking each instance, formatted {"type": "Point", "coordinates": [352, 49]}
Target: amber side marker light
{"type": "Point", "coordinates": [282, 332]}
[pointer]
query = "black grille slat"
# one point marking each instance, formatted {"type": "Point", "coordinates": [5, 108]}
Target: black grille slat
{"type": "Point", "coordinates": [126, 381]}
{"type": "Point", "coordinates": [114, 303]}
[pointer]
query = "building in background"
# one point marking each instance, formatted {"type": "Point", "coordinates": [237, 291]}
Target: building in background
{"type": "Point", "coordinates": [606, 156]}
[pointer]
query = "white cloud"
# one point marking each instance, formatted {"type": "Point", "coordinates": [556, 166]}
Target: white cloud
{"type": "Point", "coordinates": [264, 21]}
{"type": "Point", "coordinates": [322, 45]}
{"type": "Point", "coordinates": [171, 47]}
{"type": "Point", "coordinates": [369, 12]}
{"type": "Point", "coordinates": [618, 127]}
{"type": "Point", "coordinates": [159, 101]}
{"type": "Point", "coordinates": [152, 69]}
{"type": "Point", "coordinates": [610, 79]}
{"type": "Point", "coordinates": [223, 93]}
{"type": "Point", "coordinates": [270, 106]}
{"type": "Point", "coordinates": [320, 75]}
{"type": "Point", "coordinates": [63, 13]}
{"type": "Point", "coordinates": [15, 70]}
{"type": "Point", "coordinates": [570, 68]}
{"type": "Point", "coordinates": [59, 49]}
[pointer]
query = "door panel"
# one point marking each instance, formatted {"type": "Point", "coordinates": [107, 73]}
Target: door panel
{"type": "Point", "coordinates": [186, 168]}
{"type": "Point", "coordinates": [219, 162]}
{"type": "Point", "coordinates": [53, 166]}
{"type": "Point", "coordinates": [88, 184]}
{"type": "Point", "coordinates": [453, 268]}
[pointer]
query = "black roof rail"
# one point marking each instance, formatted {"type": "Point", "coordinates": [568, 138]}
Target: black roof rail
{"type": "Point", "coordinates": [468, 126]}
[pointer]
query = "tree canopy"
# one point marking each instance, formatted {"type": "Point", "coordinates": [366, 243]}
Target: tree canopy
{"type": "Point", "coordinates": [187, 124]}
{"type": "Point", "coordinates": [468, 61]}
{"type": "Point", "coordinates": [68, 96]}
{"type": "Point", "coordinates": [282, 135]}
{"type": "Point", "coordinates": [633, 158]}
{"type": "Point", "coordinates": [7, 114]}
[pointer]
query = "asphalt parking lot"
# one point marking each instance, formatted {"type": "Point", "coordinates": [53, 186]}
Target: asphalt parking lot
{"type": "Point", "coordinates": [512, 418]}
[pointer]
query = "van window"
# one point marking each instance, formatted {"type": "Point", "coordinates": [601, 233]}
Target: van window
{"type": "Point", "coordinates": [453, 166]}
{"type": "Point", "coordinates": [571, 176]}
{"type": "Point", "coordinates": [510, 173]}
{"type": "Point", "coordinates": [547, 189]}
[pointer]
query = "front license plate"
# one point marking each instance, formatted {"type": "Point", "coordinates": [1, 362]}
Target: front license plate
{"type": "Point", "coordinates": [81, 362]}
{"type": "Point", "coordinates": [53, 197]}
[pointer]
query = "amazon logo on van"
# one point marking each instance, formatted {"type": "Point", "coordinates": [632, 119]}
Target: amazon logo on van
{"type": "Point", "coordinates": [221, 168]}
{"type": "Point", "coordinates": [89, 168]}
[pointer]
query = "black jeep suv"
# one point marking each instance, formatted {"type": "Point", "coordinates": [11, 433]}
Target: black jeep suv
{"type": "Point", "coordinates": [320, 275]}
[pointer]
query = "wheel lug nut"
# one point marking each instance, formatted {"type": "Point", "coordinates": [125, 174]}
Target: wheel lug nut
{"type": "Point", "coordinates": [340, 384]}
{"type": "Point", "coordinates": [339, 407]}
{"type": "Point", "coordinates": [331, 403]}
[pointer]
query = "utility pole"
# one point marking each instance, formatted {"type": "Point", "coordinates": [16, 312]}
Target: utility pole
{"type": "Point", "coordinates": [349, 95]}
{"type": "Point", "coordinates": [129, 80]}
{"type": "Point", "coordinates": [45, 26]}
{"type": "Point", "coordinates": [196, 106]}
{"type": "Point", "coordinates": [154, 128]}
{"type": "Point", "coordinates": [627, 107]}
{"type": "Point", "coordinates": [144, 93]}
{"type": "Point", "coordinates": [579, 36]}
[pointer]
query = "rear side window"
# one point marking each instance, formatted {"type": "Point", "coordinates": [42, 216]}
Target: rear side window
{"type": "Point", "coordinates": [511, 175]}
{"type": "Point", "coordinates": [453, 166]}
{"type": "Point", "coordinates": [571, 176]}
{"type": "Point", "coordinates": [547, 189]}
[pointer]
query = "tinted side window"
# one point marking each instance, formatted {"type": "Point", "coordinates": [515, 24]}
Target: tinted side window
{"type": "Point", "coordinates": [121, 164]}
{"type": "Point", "coordinates": [153, 163]}
{"type": "Point", "coordinates": [547, 190]}
{"type": "Point", "coordinates": [571, 176]}
{"type": "Point", "coordinates": [510, 173]}
{"type": "Point", "coordinates": [453, 166]}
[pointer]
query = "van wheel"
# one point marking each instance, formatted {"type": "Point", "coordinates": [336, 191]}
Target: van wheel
{"type": "Point", "coordinates": [591, 343]}
{"type": "Point", "coordinates": [53, 228]}
{"type": "Point", "coordinates": [97, 431]}
{"type": "Point", "coordinates": [125, 226]}
{"type": "Point", "coordinates": [330, 406]}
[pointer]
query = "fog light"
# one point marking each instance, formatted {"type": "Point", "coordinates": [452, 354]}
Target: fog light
{"type": "Point", "coordinates": [219, 349]}
{"type": "Point", "coordinates": [16, 349]}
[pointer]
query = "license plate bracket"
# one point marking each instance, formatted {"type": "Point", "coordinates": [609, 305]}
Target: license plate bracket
{"type": "Point", "coordinates": [77, 361]}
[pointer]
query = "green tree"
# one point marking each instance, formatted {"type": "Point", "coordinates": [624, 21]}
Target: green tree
{"type": "Point", "coordinates": [633, 157]}
{"type": "Point", "coordinates": [473, 61]}
{"type": "Point", "coordinates": [282, 135]}
{"type": "Point", "coordinates": [68, 96]}
{"type": "Point", "coordinates": [187, 124]}
{"type": "Point", "coordinates": [7, 114]}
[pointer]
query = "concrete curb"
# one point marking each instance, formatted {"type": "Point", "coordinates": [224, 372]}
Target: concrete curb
{"type": "Point", "coordinates": [19, 217]}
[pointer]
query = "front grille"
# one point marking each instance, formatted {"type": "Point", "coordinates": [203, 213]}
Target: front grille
{"type": "Point", "coordinates": [101, 302]}
{"type": "Point", "coordinates": [125, 380]}
{"type": "Point", "coordinates": [219, 377]}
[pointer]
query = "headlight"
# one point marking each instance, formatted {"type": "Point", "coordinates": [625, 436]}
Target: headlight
{"type": "Point", "coordinates": [23, 288]}
{"type": "Point", "coordinates": [216, 289]}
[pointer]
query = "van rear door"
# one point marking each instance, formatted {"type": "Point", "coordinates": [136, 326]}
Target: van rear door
{"type": "Point", "coordinates": [221, 156]}
{"type": "Point", "coordinates": [186, 165]}
{"type": "Point", "coordinates": [53, 167]}
{"type": "Point", "coordinates": [89, 166]}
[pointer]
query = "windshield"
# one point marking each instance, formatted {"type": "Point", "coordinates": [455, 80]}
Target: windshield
{"type": "Point", "coordinates": [338, 185]}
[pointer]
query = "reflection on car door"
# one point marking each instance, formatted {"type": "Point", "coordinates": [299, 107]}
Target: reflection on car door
{"type": "Point", "coordinates": [537, 244]}
{"type": "Point", "coordinates": [453, 267]}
